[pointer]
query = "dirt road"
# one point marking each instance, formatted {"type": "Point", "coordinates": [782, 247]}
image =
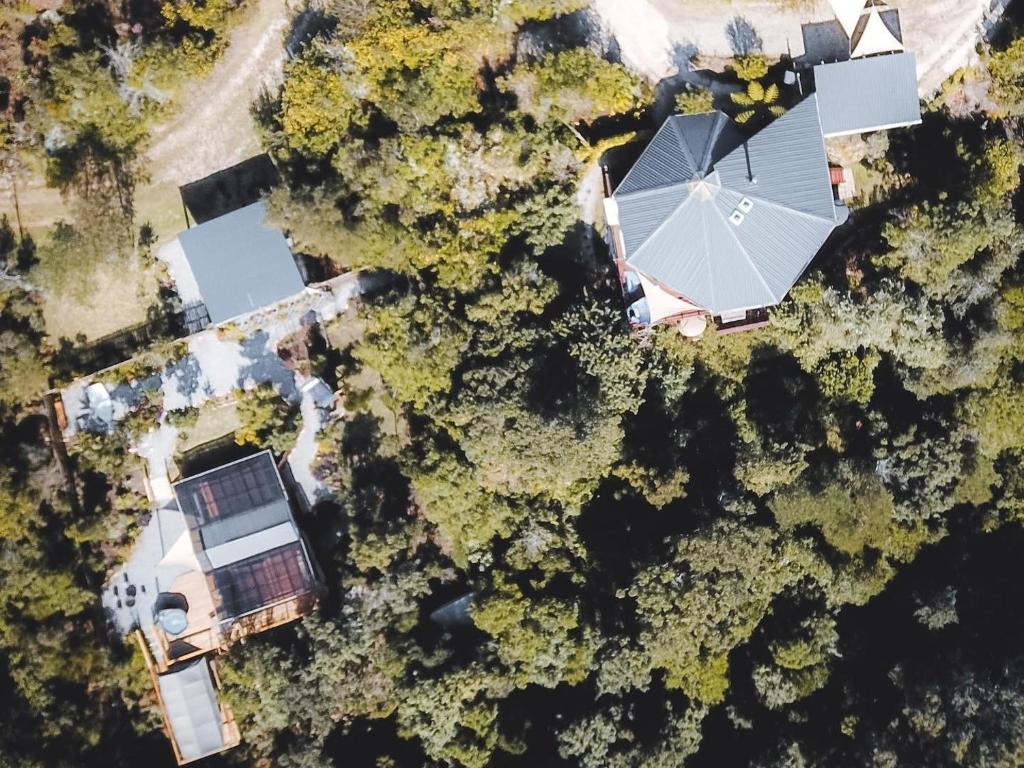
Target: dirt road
{"type": "Point", "coordinates": [651, 33]}
{"type": "Point", "coordinates": [210, 129]}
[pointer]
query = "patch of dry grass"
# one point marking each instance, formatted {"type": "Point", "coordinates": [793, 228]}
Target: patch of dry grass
{"type": "Point", "coordinates": [103, 297]}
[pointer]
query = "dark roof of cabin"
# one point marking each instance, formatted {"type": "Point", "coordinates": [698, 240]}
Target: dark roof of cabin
{"type": "Point", "coordinates": [234, 501]}
{"type": "Point", "coordinates": [230, 189]}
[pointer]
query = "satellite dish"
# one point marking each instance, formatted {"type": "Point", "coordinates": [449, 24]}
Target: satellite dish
{"type": "Point", "coordinates": [174, 621]}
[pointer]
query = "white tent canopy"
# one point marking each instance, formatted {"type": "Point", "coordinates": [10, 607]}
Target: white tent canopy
{"type": "Point", "coordinates": [876, 38]}
{"type": "Point", "coordinates": [848, 13]}
{"type": "Point", "coordinates": [663, 304]}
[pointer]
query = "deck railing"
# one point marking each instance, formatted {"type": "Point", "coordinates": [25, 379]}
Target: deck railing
{"type": "Point", "coordinates": [756, 318]}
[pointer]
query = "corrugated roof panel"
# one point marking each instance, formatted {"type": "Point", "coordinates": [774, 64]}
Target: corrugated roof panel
{"type": "Point", "coordinates": [676, 255]}
{"type": "Point", "coordinates": [663, 163]}
{"type": "Point", "coordinates": [869, 94]}
{"type": "Point", "coordinates": [781, 243]}
{"type": "Point", "coordinates": [699, 134]}
{"type": "Point", "coordinates": [193, 712]}
{"type": "Point", "coordinates": [738, 284]}
{"type": "Point", "coordinates": [239, 263]}
{"type": "Point", "coordinates": [787, 163]}
{"type": "Point", "coordinates": [641, 213]}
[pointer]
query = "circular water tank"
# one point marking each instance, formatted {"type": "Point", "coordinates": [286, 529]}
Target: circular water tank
{"type": "Point", "coordinates": [174, 621]}
{"type": "Point", "coordinates": [693, 327]}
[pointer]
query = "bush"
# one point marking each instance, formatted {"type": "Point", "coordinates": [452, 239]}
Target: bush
{"type": "Point", "coordinates": [751, 67]}
{"type": "Point", "coordinates": [694, 101]}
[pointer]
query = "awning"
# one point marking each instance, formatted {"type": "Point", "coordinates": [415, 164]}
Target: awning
{"type": "Point", "coordinates": [848, 13]}
{"type": "Point", "coordinates": [663, 304]}
{"type": "Point", "coordinates": [877, 38]}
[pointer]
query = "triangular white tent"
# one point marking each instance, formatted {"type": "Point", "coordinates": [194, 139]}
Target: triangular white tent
{"type": "Point", "coordinates": [848, 13]}
{"type": "Point", "coordinates": [876, 38]}
{"type": "Point", "coordinates": [661, 303]}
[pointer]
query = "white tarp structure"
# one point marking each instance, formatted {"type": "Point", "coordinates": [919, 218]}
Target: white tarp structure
{"type": "Point", "coordinates": [848, 13]}
{"type": "Point", "coordinates": [193, 713]}
{"type": "Point", "coordinates": [661, 303]}
{"type": "Point", "coordinates": [876, 38]}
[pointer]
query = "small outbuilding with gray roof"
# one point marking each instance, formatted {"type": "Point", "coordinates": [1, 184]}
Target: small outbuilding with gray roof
{"type": "Point", "coordinates": [193, 714]}
{"type": "Point", "coordinates": [240, 264]}
{"type": "Point", "coordinates": [872, 94]}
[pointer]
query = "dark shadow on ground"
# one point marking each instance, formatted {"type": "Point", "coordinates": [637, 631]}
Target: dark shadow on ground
{"type": "Point", "coordinates": [743, 38]}
{"type": "Point", "coordinates": [582, 29]}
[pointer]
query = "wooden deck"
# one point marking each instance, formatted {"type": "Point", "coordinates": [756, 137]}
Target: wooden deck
{"type": "Point", "coordinates": [274, 615]}
{"type": "Point", "coordinates": [231, 734]}
{"type": "Point", "coordinates": [756, 318]}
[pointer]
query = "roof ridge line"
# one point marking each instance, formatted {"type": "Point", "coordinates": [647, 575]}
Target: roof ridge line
{"type": "Point", "coordinates": [684, 145]}
{"type": "Point", "coordinates": [671, 215]}
{"type": "Point", "coordinates": [707, 261]}
{"type": "Point", "coordinates": [648, 191]}
{"type": "Point", "coordinates": [716, 131]}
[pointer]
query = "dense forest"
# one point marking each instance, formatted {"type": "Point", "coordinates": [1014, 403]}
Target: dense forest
{"type": "Point", "coordinates": [791, 547]}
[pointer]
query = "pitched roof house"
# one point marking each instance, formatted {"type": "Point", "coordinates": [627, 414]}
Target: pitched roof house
{"type": "Point", "coordinates": [223, 560]}
{"type": "Point", "coordinates": [710, 223]}
{"type": "Point", "coordinates": [254, 571]}
{"type": "Point", "coordinates": [869, 81]}
{"type": "Point", "coordinates": [870, 94]}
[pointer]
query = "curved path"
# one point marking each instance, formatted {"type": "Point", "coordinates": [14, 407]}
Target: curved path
{"type": "Point", "coordinates": [211, 127]}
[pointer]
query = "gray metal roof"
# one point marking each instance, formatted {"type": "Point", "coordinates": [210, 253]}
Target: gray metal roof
{"type": "Point", "coordinates": [193, 712]}
{"type": "Point", "coordinates": [220, 532]}
{"type": "Point", "coordinates": [239, 263]}
{"type": "Point", "coordinates": [867, 94]}
{"type": "Point", "coordinates": [683, 146]}
{"type": "Point", "coordinates": [729, 224]}
{"type": "Point", "coordinates": [238, 549]}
